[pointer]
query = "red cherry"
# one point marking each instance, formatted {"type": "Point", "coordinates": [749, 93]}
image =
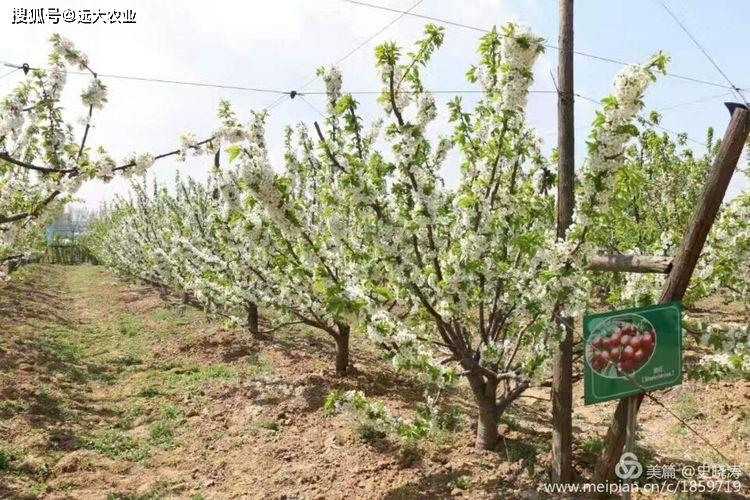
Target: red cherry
{"type": "Point", "coordinates": [647, 342]}
{"type": "Point", "coordinates": [598, 343]}
{"type": "Point", "coordinates": [647, 350]}
{"type": "Point", "coordinates": [627, 366]}
{"type": "Point", "coordinates": [625, 340]}
{"type": "Point", "coordinates": [636, 341]}
{"type": "Point", "coordinates": [615, 353]}
{"type": "Point", "coordinates": [604, 356]}
{"type": "Point", "coordinates": [615, 340]}
{"type": "Point", "coordinates": [638, 355]}
{"type": "Point", "coordinates": [627, 352]}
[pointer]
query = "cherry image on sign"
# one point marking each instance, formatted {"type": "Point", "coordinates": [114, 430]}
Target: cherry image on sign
{"type": "Point", "coordinates": [623, 348]}
{"type": "Point", "coordinates": [632, 351]}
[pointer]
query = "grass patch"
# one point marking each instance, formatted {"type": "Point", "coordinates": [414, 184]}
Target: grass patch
{"type": "Point", "coordinates": [511, 422]}
{"type": "Point", "coordinates": [592, 446]}
{"type": "Point", "coordinates": [172, 315]}
{"type": "Point", "coordinates": [162, 432]}
{"type": "Point", "coordinates": [114, 444]}
{"type": "Point", "coordinates": [158, 492]}
{"type": "Point", "coordinates": [130, 325]}
{"type": "Point", "coordinates": [744, 421]}
{"type": "Point", "coordinates": [460, 482]}
{"type": "Point", "coordinates": [147, 392]}
{"type": "Point", "coordinates": [680, 431]}
{"type": "Point", "coordinates": [7, 456]}
{"type": "Point", "coordinates": [370, 433]}
{"type": "Point", "coordinates": [10, 407]}
{"type": "Point", "coordinates": [128, 417]}
{"type": "Point", "coordinates": [259, 365]}
{"type": "Point", "coordinates": [266, 425]}
{"type": "Point", "coordinates": [126, 360]}
{"type": "Point", "coordinates": [65, 348]}
{"type": "Point", "coordinates": [408, 455]}
{"type": "Point", "coordinates": [48, 403]}
{"type": "Point", "coordinates": [517, 449]}
{"type": "Point", "coordinates": [686, 405]}
{"type": "Point", "coordinates": [187, 379]}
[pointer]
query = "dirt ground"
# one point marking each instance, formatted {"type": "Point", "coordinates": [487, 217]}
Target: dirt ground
{"type": "Point", "coordinates": [109, 389]}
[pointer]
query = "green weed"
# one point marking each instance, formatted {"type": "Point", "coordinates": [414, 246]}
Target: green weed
{"type": "Point", "coordinates": [117, 445]}
{"type": "Point", "coordinates": [7, 456]}
{"type": "Point", "coordinates": [592, 446]}
{"type": "Point", "coordinates": [162, 433]}
{"type": "Point", "coordinates": [130, 325]}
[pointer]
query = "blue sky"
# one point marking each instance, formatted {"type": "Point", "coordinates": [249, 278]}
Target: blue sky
{"type": "Point", "coordinates": [278, 45]}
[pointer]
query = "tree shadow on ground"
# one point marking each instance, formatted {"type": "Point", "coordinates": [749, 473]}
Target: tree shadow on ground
{"type": "Point", "coordinates": [429, 486]}
{"type": "Point", "coordinates": [50, 374]}
{"type": "Point", "coordinates": [20, 302]}
{"type": "Point", "coordinates": [301, 347]}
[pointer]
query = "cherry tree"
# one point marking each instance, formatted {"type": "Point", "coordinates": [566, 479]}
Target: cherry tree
{"type": "Point", "coordinates": [43, 161]}
{"type": "Point", "coordinates": [480, 266]}
{"type": "Point", "coordinates": [181, 242]}
{"type": "Point", "coordinates": [725, 272]}
{"type": "Point", "coordinates": [306, 234]}
{"type": "Point", "coordinates": [653, 198]}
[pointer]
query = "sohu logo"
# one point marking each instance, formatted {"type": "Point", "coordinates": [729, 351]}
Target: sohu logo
{"type": "Point", "coordinates": [628, 467]}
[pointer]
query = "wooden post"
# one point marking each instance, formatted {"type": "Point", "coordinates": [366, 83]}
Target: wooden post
{"type": "Point", "coordinates": [684, 264]}
{"type": "Point", "coordinates": [631, 264]}
{"type": "Point", "coordinates": [630, 433]}
{"type": "Point", "coordinates": [562, 377]}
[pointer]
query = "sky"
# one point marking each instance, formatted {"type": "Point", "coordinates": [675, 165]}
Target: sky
{"type": "Point", "coordinates": [278, 45]}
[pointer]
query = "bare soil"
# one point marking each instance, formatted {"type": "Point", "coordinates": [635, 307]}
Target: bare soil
{"type": "Point", "coordinates": [110, 389]}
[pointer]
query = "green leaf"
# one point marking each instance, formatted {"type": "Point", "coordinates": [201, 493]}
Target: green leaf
{"type": "Point", "coordinates": [234, 152]}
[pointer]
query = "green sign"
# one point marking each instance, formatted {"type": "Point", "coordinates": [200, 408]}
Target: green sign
{"type": "Point", "coordinates": [632, 351]}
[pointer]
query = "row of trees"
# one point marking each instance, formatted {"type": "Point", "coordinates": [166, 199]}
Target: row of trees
{"type": "Point", "coordinates": [360, 232]}
{"type": "Point", "coordinates": [45, 154]}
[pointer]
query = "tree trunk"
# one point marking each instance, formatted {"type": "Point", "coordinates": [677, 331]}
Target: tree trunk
{"type": "Point", "coordinates": [485, 394]}
{"type": "Point", "coordinates": [342, 348]}
{"type": "Point", "coordinates": [487, 423]}
{"type": "Point", "coordinates": [251, 324]}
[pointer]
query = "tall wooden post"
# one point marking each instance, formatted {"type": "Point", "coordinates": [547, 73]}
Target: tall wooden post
{"type": "Point", "coordinates": [562, 378]}
{"type": "Point", "coordinates": [684, 264]}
